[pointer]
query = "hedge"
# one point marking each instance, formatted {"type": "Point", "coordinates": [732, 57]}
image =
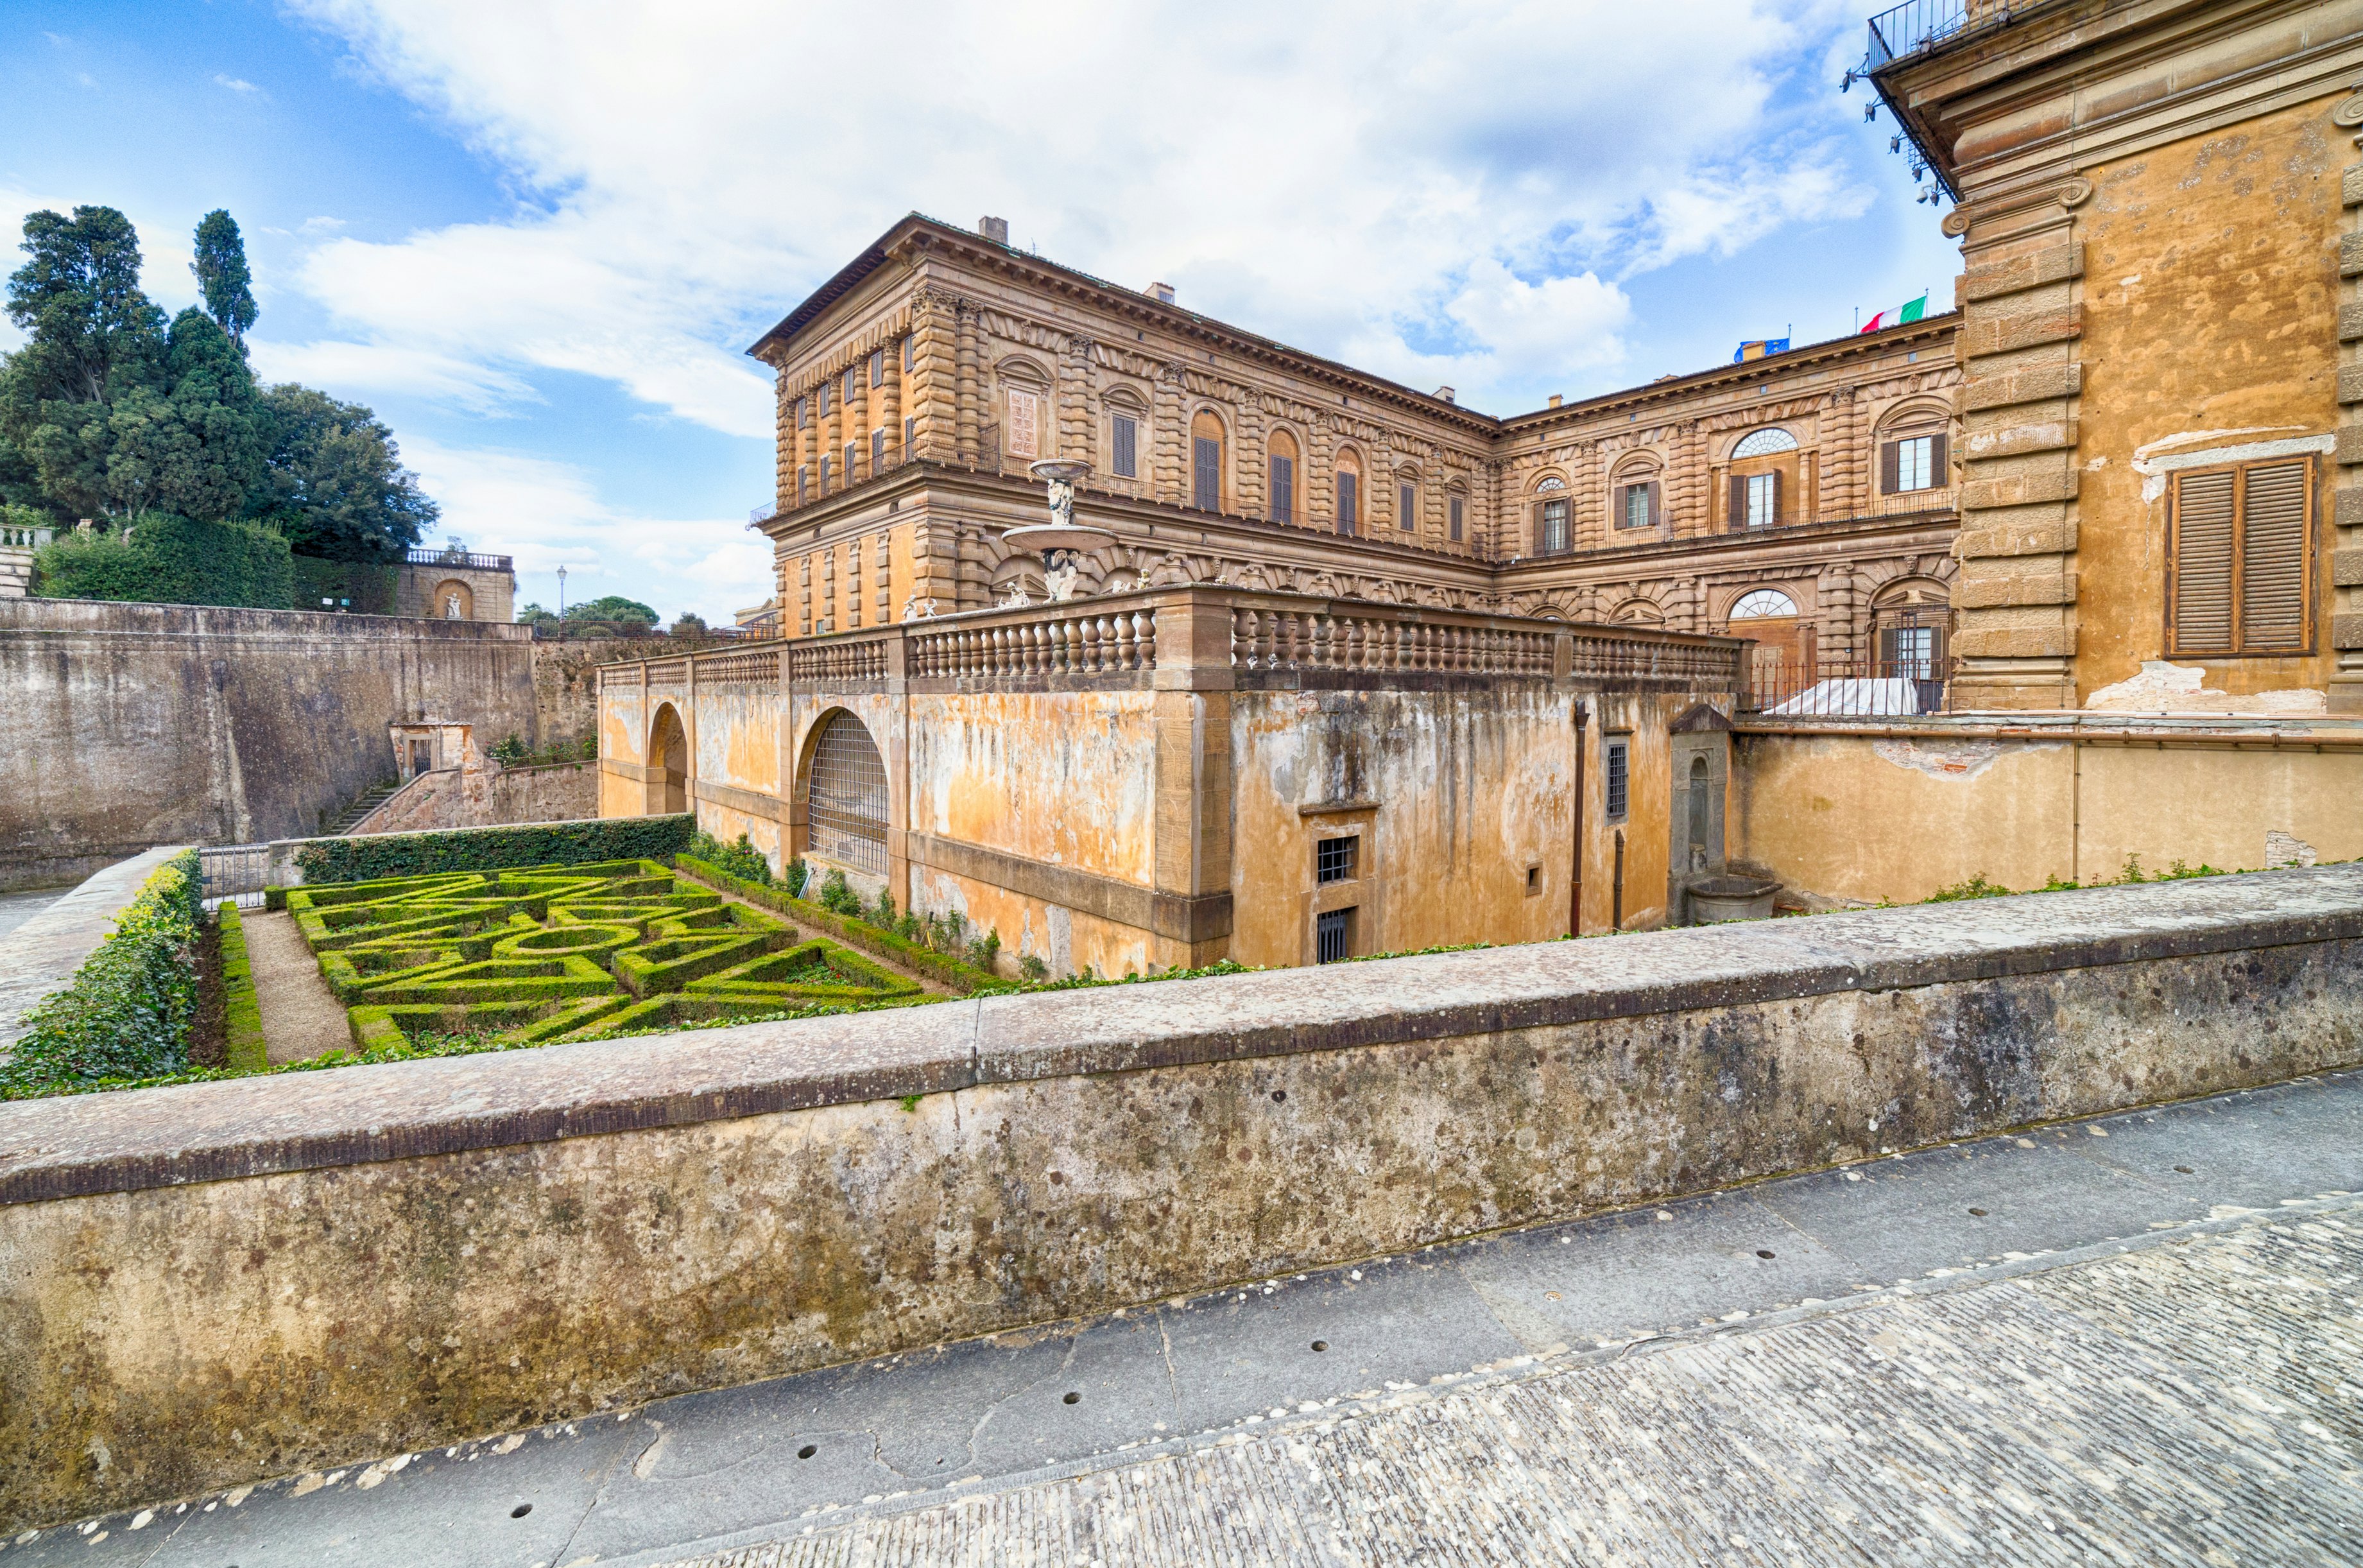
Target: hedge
{"type": "Point", "coordinates": [387, 855]}
{"type": "Point", "coordinates": [170, 560]}
{"type": "Point", "coordinates": [126, 1013]}
{"type": "Point", "coordinates": [243, 1048]}
{"type": "Point", "coordinates": [964, 978]}
{"type": "Point", "coordinates": [370, 586]}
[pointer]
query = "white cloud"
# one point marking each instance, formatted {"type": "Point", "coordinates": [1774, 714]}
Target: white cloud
{"type": "Point", "coordinates": [547, 513]}
{"type": "Point", "coordinates": [235, 83]}
{"type": "Point", "coordinates": [1323, 172]}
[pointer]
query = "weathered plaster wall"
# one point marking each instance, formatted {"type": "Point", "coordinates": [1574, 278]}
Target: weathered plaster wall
{"type": "Point", "coordinates": [480, 793]}
{"type": "Point", "coordinates": [1067, 779]}
{"type": "Point", "coordinates": [215, 1282]}
{"type": "Point", "coordinates": [1459, 792]}
{"type": "Point", "coordinates": [1899, 817]}
{"type": "Point", "coordinates": [1645, 828]}
{"type": "Point", "coordinates": [2211, 278]}
{"type": "Point", "coordinates": [133, 725]}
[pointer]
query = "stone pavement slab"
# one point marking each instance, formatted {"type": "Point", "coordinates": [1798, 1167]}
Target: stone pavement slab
{"type": "Point", "coordinates": [2146, 1350]}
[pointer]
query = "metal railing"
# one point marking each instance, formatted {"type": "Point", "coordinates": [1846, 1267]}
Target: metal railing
{"type": "Point", "coordinates": [233, 873]}
{"type": "Point", "coordinates": [465, 560]}
{"type": "Point", "coordinates": [1901, 688]}
{"type": "Point", "coordinates": [1916, 25]}
{"type": "Point", "coordinates": [763, 514]}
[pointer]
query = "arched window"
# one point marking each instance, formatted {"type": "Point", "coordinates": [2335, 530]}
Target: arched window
{"type": "Point", "coordinates": [1284, 477]}
{"type": "Point", "coordinates": [1126, 420]}
{"type": "Point", "coordinates": [1554, 530]}
{"type": "Point", "coordinates": [846, 806]}
{"type": "Point", "coordinates": [1634, 499]}
{"type": "Point", "coordinates": [1762, 604]}
{"type": "Point", "coordinates": [1406, 500]}
{"type": "Point", "coordinates": [1206, 462]}
{"type": "Point", "coordinates": [1913, 451]}
{"type": "Point", "coordinates": [1764, 443]}
{"type": "Point", "coordinates": [1349, 493]}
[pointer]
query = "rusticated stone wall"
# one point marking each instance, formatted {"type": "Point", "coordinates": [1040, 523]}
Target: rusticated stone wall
{"type": "Point", "coordinates": [215, 1282]}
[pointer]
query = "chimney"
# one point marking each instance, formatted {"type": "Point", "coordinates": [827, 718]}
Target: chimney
{"type": "Point", "coordinates": [1162, 291]}
{"type": "Point", "coordinates": [993, 228]}
{"type": "Point", "coordinates": [1557, 400]}
{"type": "Point", "coordinates": [1446, 393]}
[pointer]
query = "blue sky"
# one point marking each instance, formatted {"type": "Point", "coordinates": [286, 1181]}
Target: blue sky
{"type": "Point", "coordinates": [536, 237]}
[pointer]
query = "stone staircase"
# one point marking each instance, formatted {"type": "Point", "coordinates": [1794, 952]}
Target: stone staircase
{"type": "Point", "coordinates": [369, 800]}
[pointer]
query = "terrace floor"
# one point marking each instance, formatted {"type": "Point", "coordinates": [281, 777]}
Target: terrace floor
{"type": "Point", "coordinates": [301, 1016]}
{"type": "Point", "coordinates": [2133, 1341]}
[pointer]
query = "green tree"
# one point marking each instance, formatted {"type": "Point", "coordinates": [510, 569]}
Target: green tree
{"type": "Point", "coordinates": [689, 623]}
{"type": "Point", "coordinates": [616, 607]}
{"type": "Point", "coordinates": [333, 480]}
{"type": "Point", "coordinates": [93, 337]}
{"type": "Point", "coordinates": [222, 275]}
{"type": "Point", "coordinates": [533, 615]}
{"type": "Point", "coordinates": [194, 443]}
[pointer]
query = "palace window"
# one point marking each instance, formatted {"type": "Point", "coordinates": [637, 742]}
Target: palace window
{"type": "Point", "coordinates": [849, 385]}
{"type": "Point", "coordinates": [878, 367]}
{"type": "Point", "coordinates": [1457, 518]}
{"type": "Point", "coordinates": [1125, 433]}
{"type": "Point", "coordinates": [824, 476]}
{"type": "Point", "coordinates": [1350, 501]}
{"type": "Point", "coordinates": [1334, 858]}
{"type": "Point", "coordinates": [1636, 505]}
{"type": "Point", "coordinates": [851, 470]}
{"type": "Point", "coordinates": [1284, 477]}
{"type": "Point", "coordinates": [820, 399]}
{"type": "Point", "coordinates": [910, 352]}
{"type": "Point", "coordinates": [1206, 462]}
{"type": "Point", "coordinates": [877, 449]}
{"type": "Point", "coordinates": [801, 475]}
{"type": "Point", "coordinates": [910, 431]}
{"type": "Point", "coordinates": [1025, 424]}
{"type": "Point", "coordinates": [804, 413]}
{"type": "Point", "coordinates": [1616, 770]}
{"type": "Point", "coordinates": [1333, 935]}
{"type": "Point", "coordinates": [1406, 507]}
{"type": "Point", "coordinates": [1756, 499]}
{"type": "Point", "coordinates": [2242, 558]}
{"type": "Point", "coordinates": [1915, 462]}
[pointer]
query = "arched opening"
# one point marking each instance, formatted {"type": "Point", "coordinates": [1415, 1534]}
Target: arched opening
{"type": "Point", "coordinates": [1702, 850]}
{"type": "Point", "coordinates": [1349, 493]}
{"type": "Point", "coordinates": [1766, 481]}
{"type": "Point", "coordinates": [1914, 459]}
{"type": "Point", "coordinates": [453, 600]}
{"type": "Point", "coordinates": [1636, 499]}
{"type": "Point", "coordinates": [845, 801]}
{"type": "Point", "coordinates": [1784, 640]}
{"type": "Point", "coordinates": [1554, 531]}
{"type": "Point", "coordinates": [1912, 618]}
{"type": "Point", "coordinates": [1284, 477]}
{"type": "Point", "coordinates": [1637, 612]}
{"type": "Point", "coordinates": [668, 762]}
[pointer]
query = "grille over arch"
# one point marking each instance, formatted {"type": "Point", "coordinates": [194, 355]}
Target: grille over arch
{"type": "Point", "coordinates": [847, 807]}
{"type": "Point", "coordinates": [1764, 443]}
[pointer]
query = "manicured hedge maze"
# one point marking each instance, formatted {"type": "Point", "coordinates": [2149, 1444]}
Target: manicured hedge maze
{"type": "Point", "coordinates": [557, 953]}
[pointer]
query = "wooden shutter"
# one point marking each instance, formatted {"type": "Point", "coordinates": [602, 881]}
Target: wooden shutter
{"type": "Point", "coordinates": [2273, 557]}
{"type": "Point", "coordinates": [1890, 460]}
{"type": "Point", "coordinates": [1346, 509]}
{"type": "Point", "coordinates": [2201, 602]}
{"type": "Point", "coordinates": [1283, 489]}
{"type": "Point", "coordinates": [1406, 504]}
{"type": "Point", "coordinates": [1940, 472]}
{"type": "Point", "coordinates": [1737, 517]}
{"type": "Point", "coordinates": [1539, 545]}
{"type": "Point", "coordinates": [1773, 521]}
{"type": "Point", "coordinates": [1657, 503]}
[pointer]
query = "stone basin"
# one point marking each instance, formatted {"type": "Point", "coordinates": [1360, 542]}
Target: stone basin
{"type": "Point", "coordinates": [1719, 898]}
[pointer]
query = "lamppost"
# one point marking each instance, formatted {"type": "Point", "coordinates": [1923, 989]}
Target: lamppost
{"type": "Point", "coordinates": [562, 596]}
{"type": "Point", "coordinates": [1061, 541]}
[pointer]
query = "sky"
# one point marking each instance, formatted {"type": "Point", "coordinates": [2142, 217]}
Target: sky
{"type": "Point", "coordinates": [537, 236]}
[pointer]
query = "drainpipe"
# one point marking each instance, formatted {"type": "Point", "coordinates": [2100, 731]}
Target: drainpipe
{"type": "Point", "coordinates": [1617, 888]}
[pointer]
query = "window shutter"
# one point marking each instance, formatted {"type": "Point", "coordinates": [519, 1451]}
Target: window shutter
{"type": "Point", "coordinates": [1128, 461]}
{"type": "Point", "coordinates": [1540, 544]}
{"type": "Point", "coordinates": [1406, 503]}
{"type": "Point", "coordinates": [1657, 503]}
{"type": "Point", "coordinates": [1456, 517]}
{"type": "Point", "coordinates": [1206, 473]}
{"type": "Point", "coordinates": [910, 433]}
{"type": "Point", "coordinates": [1736, 518]}
{"type": "Point", "coordinates": [1891, 454]}
{"type": "Point", "coordinates": [1283, 489]}
{"type": "Point", "coordinates": [1346, 504]}
{"type": "Point", "coordinates": [2273, 558]}
{"type": "Point", "coordinates": [2202, 562]}
{"type": "Point", "coordinates": [1774, 520]}
{"type": "Point", "coordinates": [1940, 474]}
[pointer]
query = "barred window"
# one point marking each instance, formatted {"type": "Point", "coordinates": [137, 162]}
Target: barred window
{"type": "Point", "coordinates": [1334, 936]}
{"type": "Point", "coordinates": [847, 808]}
{"type": "Point", "coordinates": [1618, 772]}
{"type": "Point", "coordinates": [1334, 860]}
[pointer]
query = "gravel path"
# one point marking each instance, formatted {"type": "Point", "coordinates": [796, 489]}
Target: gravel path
{"type": "Point", "coordinates": [301, 1016]}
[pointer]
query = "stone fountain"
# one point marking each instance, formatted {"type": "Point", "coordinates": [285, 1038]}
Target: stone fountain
{"type": "Point", "coordinates": [1061, 542]}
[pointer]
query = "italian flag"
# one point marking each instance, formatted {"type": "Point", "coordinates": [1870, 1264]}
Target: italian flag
{"type": "Point", "coordinates": [1909, 311]}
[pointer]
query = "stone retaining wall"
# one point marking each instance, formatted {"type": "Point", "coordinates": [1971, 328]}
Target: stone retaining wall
{"type": "Point", "coordinates": [212, 1283]}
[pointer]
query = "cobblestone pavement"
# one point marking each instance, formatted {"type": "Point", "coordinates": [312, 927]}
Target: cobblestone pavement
{"type": "Point", "coordinates": [2134, 1341]}
{"type": "Point", "coordinates": [2195, 1402]}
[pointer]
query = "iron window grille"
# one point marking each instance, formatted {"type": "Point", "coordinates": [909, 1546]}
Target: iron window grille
{"type": "Point", "coordinates": [1334, 860]}
{"type": "Point", "coordinates": [848, 805]}
{"type": "Point", "coordinates": [1619, 777]}
{"type": "Point", "coordinates": [1332, 932]}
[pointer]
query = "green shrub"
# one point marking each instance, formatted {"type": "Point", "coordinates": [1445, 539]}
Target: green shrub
{"type": "Point", "coordinates": [126, 1012]}
{"type": "Point", "coordinates": [984, 951]}
{"type": "Point", "coordinates": [837, 898]}
{"type": "Point", "coordinates": [881, 914]}
{"type": "Point", "coordinates": [1032, 967]}
{"type": "Point", "coordinates": [494, 848]}
{"type": "Point", "coordinates": [357, 587]}
{"type": "Point", "coordinates": [161, 559]}
{"type": "Point", "coordinates": [741, 859]}
{"type": "Point", "coordinates": [243, 1047]}
{"type": "Point", "coordinates": [851, 930]}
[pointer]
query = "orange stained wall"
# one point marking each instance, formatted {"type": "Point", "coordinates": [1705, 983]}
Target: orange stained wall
{"type": "Point", "coordinates": [2210, 295]}
{"type": "Point", "coordinates": [1042, 775]}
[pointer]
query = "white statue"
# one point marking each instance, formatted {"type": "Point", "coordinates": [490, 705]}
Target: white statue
{"type": "Point", "coordinates": [1019, 598]}
{"type": "Point", "coordinates": [918, 609]}
{"type": "Point", "coordinates": [451, 607]}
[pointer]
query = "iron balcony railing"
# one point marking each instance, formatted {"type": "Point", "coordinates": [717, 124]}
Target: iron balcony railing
{"type": "Point", "coordinates": [1916, 25]}
{"type": "Point", "coordinates": [461, 558]}
{"type": "Point", "coordinates": [1855, 688]}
